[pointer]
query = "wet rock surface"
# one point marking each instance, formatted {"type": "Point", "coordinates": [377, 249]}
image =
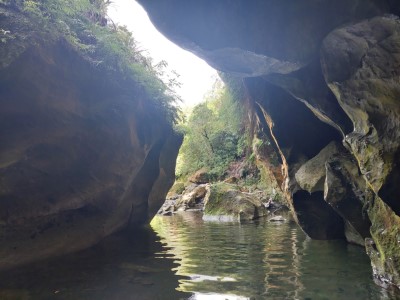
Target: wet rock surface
{"type": "Point", "coordinates": [225, 202]}
{"type": "Point", "coordinates": [366, 83]}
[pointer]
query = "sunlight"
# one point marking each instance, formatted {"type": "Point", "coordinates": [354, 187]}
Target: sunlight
{"type": "Point", "coordinates": [196, 76]}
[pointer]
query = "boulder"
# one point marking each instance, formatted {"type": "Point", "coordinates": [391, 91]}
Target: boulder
{"type": "Point", "coordinates": [311, 175]}
{"type": "Point", "coordinates": [225, 202]}
{"type": "Point", "coordinates": [334, 176]}
{"type": "Point", "coordinates": [191, 198]}
{"type": "Point", "coordinates": [200, 177]}
{"type": "Point", "coordinates": [176, 190]}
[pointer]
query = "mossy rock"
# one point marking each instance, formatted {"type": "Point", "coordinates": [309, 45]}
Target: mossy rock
{"type": "Point", "coordinates": [383, 248]}
{"type": "Point", "coordinates": [176, 189]}
{"type": "Point", "coordinates": [225, 202]}
{"type": "Point", "coordinates": [201, 176]}
{"type": "Point", "coordinates": [191, 197]}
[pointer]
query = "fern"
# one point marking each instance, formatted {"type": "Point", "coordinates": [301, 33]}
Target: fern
{"type": "Point", "coordinates": [83, 24]}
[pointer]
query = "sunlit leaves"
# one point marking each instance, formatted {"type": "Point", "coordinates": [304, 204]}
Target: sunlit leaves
{"type": "Point", "coordinates": [212, 134]}
{"type": "Point", "coordinates": [85, 26]}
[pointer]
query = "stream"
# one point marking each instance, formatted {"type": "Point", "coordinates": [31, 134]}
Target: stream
{"type": "Point", "coordinates": [182, 257]}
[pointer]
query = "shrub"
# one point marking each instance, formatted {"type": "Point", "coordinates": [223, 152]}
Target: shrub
{"type": "Point", "coordinates": [83, 24]}
{"type": "Point", "coordinates": [213, 134]}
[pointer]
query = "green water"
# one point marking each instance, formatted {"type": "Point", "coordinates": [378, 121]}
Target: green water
{"type": "Point", "coordinates": [182, 257]}
{"type": "Point", "coordinates": [263, 261]}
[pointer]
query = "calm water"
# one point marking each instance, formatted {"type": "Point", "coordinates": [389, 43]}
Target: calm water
{"type": "Point", "coordinates": [263, 261]}
{"type": "Point", "coordinates": [182, 257]}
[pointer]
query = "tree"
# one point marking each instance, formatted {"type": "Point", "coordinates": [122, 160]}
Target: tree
{"type": "Point", "coordinates": [212, 134]}
{"type": "Point", "coordinates": [85, 27]}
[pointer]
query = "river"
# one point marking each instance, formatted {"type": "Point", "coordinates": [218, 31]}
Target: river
{"type": "Point", "coordinates": [182, 257]}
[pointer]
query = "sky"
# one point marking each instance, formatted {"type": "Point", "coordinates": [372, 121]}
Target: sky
{"type": "Point", "coordinates": [196, 76]}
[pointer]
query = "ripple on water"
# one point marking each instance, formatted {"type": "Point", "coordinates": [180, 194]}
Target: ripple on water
{"type": "Point", "coordinates": [198, 260]}
{"type": "Point", "coordinates": [263, 261]}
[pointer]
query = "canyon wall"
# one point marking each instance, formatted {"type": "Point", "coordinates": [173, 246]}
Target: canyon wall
{"type": "Point", "coordinates": [83, 153]}
{"type": "Point", "coordinates": [323, 81]}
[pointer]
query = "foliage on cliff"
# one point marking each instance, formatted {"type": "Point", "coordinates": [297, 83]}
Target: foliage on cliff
{"type": "Point", "coordinates": [83, 25]}
{"type": "Point", "coordinates": [213, 132]}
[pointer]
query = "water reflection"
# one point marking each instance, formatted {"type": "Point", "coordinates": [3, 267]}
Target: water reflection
{"type": "Point", "coordinates": [262, 261]}
{"type": "Point", "coordinates": [121, 267]}
{"type": "Point", "coordinates": [191, 259]}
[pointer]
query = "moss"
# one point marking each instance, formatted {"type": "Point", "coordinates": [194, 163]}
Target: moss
{"type": "Point", "coordinates": [268, 182]}
{"type": "Point", "coordinates": [385, 232]}
{"type": "Point", "coordinates": [227, 202]}
{"type": "Point", "coordinates": [82, 26]}
{"type": "Point", "coordinates": [219, 201]}
{"type": "Point", "coordinates": [177, 188]}
{"type": "Point", "coordinates": [13, 42]}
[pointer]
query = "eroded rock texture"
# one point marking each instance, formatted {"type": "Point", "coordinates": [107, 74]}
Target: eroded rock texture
{"type": "Point", "coordinates": [322, 79]}
{"type": "Point", "coordinates": [225, 202]}
{"type": "Point", "coordinates": [82, 154]}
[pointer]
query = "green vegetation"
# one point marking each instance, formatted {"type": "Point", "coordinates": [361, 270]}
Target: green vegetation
{"type": "Point", "coordinates": [83, 26]}
{"type": "Point", "coordinates": [214, 133]}
{"type": "Point", "coordinates": [219, 194]}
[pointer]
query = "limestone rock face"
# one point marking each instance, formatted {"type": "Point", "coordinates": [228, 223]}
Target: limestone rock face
{"type": "Point", "coordinates": [361, 65]}
{"type": "Point", "coordinates": [311, 175]}
{"type": "Point", "coordinates": [254, 38]}
{"type": "Point", "coordinates": [82, 154]}
{"type": "Point", "coordinates": [346, 192]}
{"type": "Point", "coordinates": [315, 72]}
{"type": "Point", "coordinates": [366, 82]}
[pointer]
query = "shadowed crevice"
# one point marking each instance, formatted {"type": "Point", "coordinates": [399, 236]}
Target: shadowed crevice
{"type": "Point", "coordinates": [316, 217]}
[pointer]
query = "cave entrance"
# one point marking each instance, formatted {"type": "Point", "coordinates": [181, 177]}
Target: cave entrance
{"type": "Point", "coordinates": [189, 77]}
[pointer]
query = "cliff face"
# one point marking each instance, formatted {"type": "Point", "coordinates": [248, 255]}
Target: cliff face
{"type": "Point", "coordinates": [82, 154]}
{"type": "Point", "coordinates": [323, 80]}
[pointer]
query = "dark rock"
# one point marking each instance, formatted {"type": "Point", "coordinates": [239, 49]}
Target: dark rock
{"type": "Point", "coordinates": [361, 65]}
{"type": "Point", "coordinates": [345, 193]}
{"type": "Point", "coordinates": [258, 37]}
{"type": "Point", "coordinates": [336, 174]}
{"type": "Point", "coordinates": [316, 217]}
{"type": "Point", "coordinates": [81, 155]}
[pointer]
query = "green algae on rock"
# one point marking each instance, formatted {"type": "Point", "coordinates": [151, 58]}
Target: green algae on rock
{"type": "Point", "coordinates": [225, 202]}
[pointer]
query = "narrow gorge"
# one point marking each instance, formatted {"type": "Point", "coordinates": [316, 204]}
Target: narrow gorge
{"type": "Point", "coordinates": [88, 143]}
{"type": "Point", "coordinates": [322, 81]}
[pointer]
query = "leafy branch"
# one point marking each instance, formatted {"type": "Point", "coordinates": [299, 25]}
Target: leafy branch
{"type": "Point", "coordinates": [84, 24]}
